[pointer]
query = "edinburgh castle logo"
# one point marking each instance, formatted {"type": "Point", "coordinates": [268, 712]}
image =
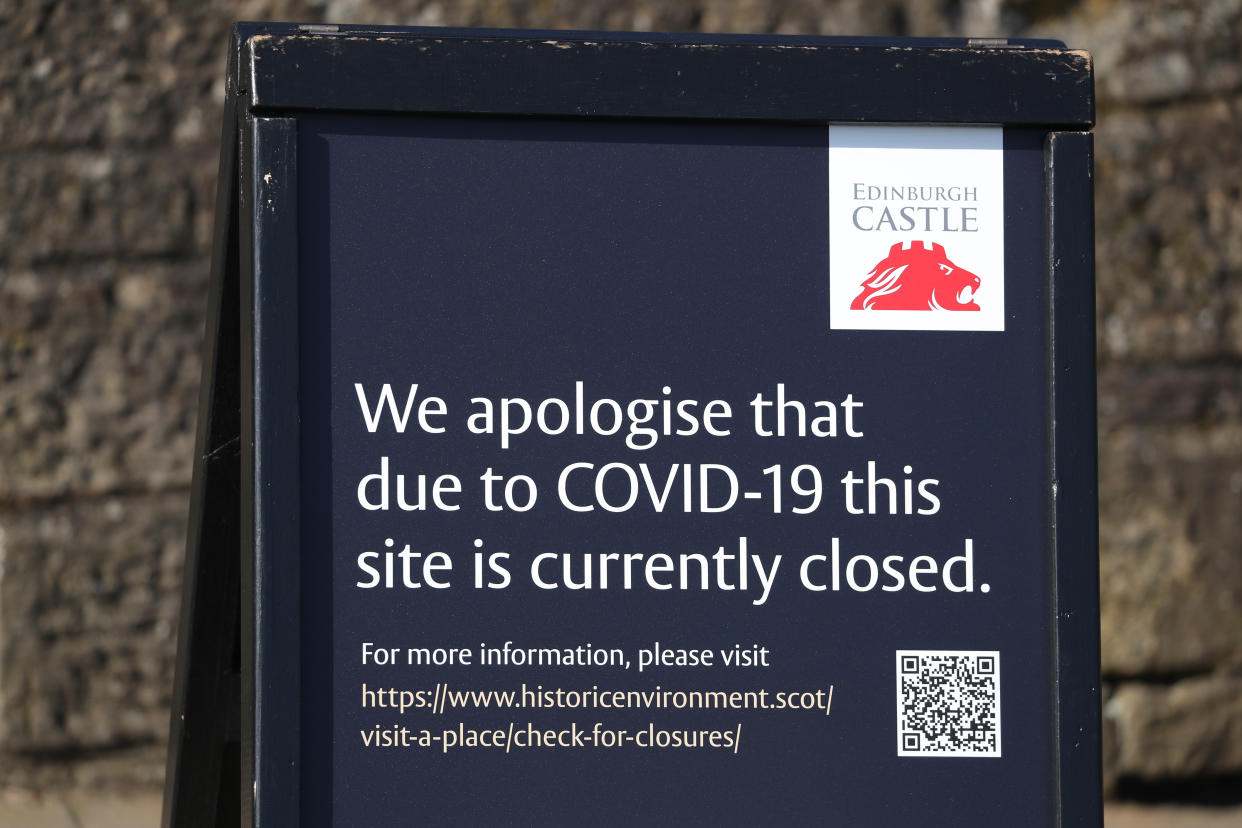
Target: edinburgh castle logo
{"type": "Point", "coordinates": [901, 200]}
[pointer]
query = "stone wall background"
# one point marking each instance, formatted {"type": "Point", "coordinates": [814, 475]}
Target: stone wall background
{"type": "Point", "coordinates": [109, 121]}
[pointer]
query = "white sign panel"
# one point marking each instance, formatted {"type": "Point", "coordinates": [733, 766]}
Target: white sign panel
{"type": "Point", "coordinates": [916, 228]}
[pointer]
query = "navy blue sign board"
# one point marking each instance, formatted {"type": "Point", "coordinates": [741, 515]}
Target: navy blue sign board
{"type": "Point", "coordinates": [645, 429]}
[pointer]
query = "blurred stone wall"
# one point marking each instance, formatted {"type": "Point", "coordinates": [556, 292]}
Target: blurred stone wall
{"type": "Point", "coordinates": [109, 117]}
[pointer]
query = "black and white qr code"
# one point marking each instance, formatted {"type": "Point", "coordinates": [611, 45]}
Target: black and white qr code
{"type": "Point", "coordinates": [948, 703]}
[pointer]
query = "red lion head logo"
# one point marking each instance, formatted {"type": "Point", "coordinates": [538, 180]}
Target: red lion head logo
{"type": "Point", "coordinates": [918, 277]}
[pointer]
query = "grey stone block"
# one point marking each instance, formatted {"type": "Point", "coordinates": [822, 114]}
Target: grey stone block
{"type": "Point", "coordinates": [88, 614]}
{"type": "Point", "coordinates": [1170, 572]}
{"type": "Point", "coordinates": [1190, 728]}
{"type": "Point", "coordinates": [101, 373]}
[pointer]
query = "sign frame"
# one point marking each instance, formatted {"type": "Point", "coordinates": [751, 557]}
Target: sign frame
{"type": "Point", "coordinates": [236, 699]}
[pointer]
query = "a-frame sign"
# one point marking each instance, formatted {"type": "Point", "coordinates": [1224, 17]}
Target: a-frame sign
{"type": "Point", "coordinates": [644, 429]}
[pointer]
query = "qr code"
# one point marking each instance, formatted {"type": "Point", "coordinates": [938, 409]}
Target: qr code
{"type": "Point", "coordinates": [948, 703]}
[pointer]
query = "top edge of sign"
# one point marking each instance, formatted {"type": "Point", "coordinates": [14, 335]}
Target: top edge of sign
{"type": "Point", "coordinates": [797, 79]}
{"type": "Point", "coordinates": [247, 29]}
